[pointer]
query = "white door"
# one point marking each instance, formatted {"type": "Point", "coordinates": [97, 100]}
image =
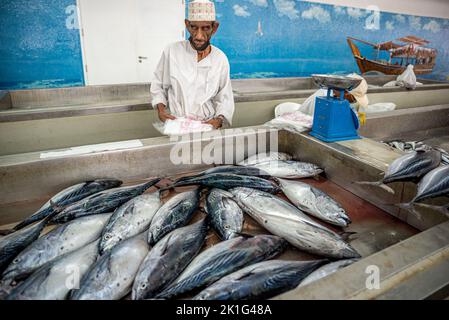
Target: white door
{"type": "Point", "coordinates": [123, 40]}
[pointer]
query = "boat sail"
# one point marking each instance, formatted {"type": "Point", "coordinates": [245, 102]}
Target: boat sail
{"type": "Point", "coordinates": [409, 50]}
{"type": "Point", "coordinates": [259, 31]}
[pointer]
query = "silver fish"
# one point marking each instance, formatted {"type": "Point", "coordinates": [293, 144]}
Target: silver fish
{"type": "Point", "coordinates": [62, 240]}
{"type": "Point", "coordinates": [227, 181]}
{"type": "Point", "coordinates": [410, 166]}
{"type": "Point", "coordinates": [12, 244]}
{"type": "Point", "coordinates": [262, 280]}
{"type": "Point", "coordinates": [238, 170]}
{"type": "Point", "coordinates": [285, 220]}
{"type": "Point", "coordinates": [129, 220]}
{"type": "Point", "coordinates": [289, 169]}
{"type": "Point", "coordinates": [326, 270]}
{"type": "Point", "coordinates": [263, 157]}
{"type": "Point", "coordinates": [54, 280]}
{"type": "Point", "coordinates": [167, 259]}
{"type": "Point", "coordinates": [67, 196]}
{"type": "Point", "coordinates": [175, 213]}
{"type": "Point", "coordinates": [112, 276]}
{"type": "Point", "coordinates": [315, 202]}
{"type": "Point", "coordinates": [224, 214]}
{"type": "Point", "coordinates": [434, 184]}
{"type": "Point", "coordinates": [102, 202]}
{"type": "Point", "coordinates": [222, 259]}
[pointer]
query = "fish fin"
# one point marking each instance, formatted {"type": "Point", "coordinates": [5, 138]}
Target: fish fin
{"type": "Point", "coordinates": [244, 235]}
{"type": "Point", "coordinates": [57, 208]}
{"type": "Point", "coordinates": [6, 232]}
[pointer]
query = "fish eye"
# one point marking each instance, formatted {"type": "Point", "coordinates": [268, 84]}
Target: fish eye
{"type": "Point", "coordinates": [227, 227]}
{"type": "Point", "coordinates": [143, 286]}
{"type": "Point", "coordinates": [16, 261]}
{"type": "Point", "coordinates": [107, 237]}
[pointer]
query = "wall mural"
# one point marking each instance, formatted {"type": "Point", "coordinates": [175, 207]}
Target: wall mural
{"type": "Point", "coordinates": [39, 44]}
{"type": "Point", "coordinates": [288, 38]}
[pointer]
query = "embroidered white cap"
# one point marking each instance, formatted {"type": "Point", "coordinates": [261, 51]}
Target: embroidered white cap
{"type": "Point", "coordinates": [201, 10]}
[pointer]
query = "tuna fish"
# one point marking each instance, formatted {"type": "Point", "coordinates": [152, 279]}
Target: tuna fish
{"type": "Point", "coordinates": [434, 184]}
{"type": "Point", "coordinates": [326, 270]}
{"type": "Point", "coordinates": [262, 280]}
{"type": "Point", "coordinates": [411, 166]}
{"type": "Point", "coordinates": [68, 196]}
{"type": "Point", "coordinates": [175, 213]}
{"type": "Point", "coordinates": [228, 181]}
{"type": "Point", "coordinates": [263, 157]}
{"type": "Point", "coordinates": [129, 220]}
{"type": "Point", "coordinates": [238, 170]}
{"type": "Point", "coordinates": [222, 259]}
{"type": "Point", "coordinates": [315, 202]}
{"type": "Point", "coordinates": [12, 244]}
{"type": "Point", "coordinates": [224, 214]}
{"type": "Point", "coordinates": [168, 258]}
{"type": "Point", "coordinates": [102, 202]}
{"type": "Point", "coordinates": [112, 276]}
{"type": "Point", "coordinates": [286, 221]}
{"type": "Point", "coordinates": [54, 280]}
{"type": "Point", "coordinates": [62, 240]}
{"type": "Point", "coordinates": [289, 169]}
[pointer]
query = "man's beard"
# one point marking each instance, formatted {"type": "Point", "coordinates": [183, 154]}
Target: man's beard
{"type": "Point", "coordinates": [202, 48]}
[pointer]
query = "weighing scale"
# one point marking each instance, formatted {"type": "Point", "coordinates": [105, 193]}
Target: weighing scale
{"type": "Point", "coordinates": [334, 120]}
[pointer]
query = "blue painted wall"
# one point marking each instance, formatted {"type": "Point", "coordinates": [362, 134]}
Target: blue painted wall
{"type": "Point", "coordinates": [300, 38]}
{"type": "Point", "coordinates": [37, 50]}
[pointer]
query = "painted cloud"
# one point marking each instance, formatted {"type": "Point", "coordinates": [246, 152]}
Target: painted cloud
{"type": "Point", "coordinates": [241, 11]}
{"type": "Point", "coordinates": [389, 25]}
{"type": "Point", "coordinates": [432, 26]}
{"type": "Point", "coordinates": [356, 13]}
{"type": "Point", "coordinates": [259, 3]}
{"type": "Point", "coordinates": [317, 13]}
{"type": "Point", "coordinates": [286, 8]}
{"type": "Point", "coordinates": [415, 22]}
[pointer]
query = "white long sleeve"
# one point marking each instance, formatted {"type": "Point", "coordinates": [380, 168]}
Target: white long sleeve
{"type": "Point", "coordinates": [159, 88]}
{"type": "Point", "coordinates": [198, 90]}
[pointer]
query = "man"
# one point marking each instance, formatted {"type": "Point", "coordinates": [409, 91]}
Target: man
{"type": "Point", "coordinates": [192, 79]}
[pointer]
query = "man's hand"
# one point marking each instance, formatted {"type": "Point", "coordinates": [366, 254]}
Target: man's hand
{"type": "Point", "coordinates": [164, 115]}
{"type": "Point", "coordinates": [217, 123]}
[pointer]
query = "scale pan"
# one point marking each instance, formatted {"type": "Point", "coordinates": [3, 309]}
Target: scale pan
{"type": "Point", "coordinates": [335, 82]}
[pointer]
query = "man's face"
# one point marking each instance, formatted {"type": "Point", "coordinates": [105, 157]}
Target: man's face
{"type": "Point", "coordinates": [200, 33]}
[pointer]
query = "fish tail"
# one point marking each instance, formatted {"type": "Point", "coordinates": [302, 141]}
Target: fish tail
{"type": "Point", "coordinates": [6, 232]}
{"type": "Point", "coordinates": [151, 183]}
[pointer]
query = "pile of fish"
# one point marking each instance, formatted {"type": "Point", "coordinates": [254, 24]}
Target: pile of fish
{"type": "Point", "coordinates": [112, 242]}
{"type": "Point", "coordinates": [427, 168]}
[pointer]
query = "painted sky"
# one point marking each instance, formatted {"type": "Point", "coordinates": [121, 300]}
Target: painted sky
{"type": "Point", "coordinates": [300, 38]}
{"type": "Point", "coordinates": [38, 47]}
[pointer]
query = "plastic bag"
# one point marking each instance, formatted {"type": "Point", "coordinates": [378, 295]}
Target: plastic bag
{"type": "Point", "coordinates": [296, 121]}
{"type": "Point", "coordinates": [308, 106]}
{"type": "Point", "coordinates": [181, 126]}
{"type": "Point", "coordinates": [408, 78]}
{"type": "Point", "coordinates": [379, 107]}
